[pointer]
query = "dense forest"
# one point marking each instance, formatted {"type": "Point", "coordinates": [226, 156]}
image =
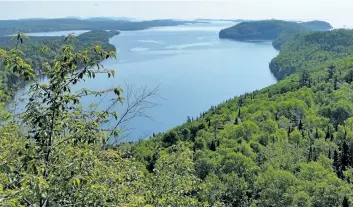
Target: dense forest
{"type": "Point", "coordinates": [270, 29]}
{"type": "Point", "coordinates": [33, 52]}
{"type": "Point", "coordinates": [9, 27]}
{"type": "Point", "coordinates": [290, 144]}
{"type": "Point", "coordinates": [308, 52]}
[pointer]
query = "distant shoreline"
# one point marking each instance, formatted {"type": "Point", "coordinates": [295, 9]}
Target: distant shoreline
{"type": "Point", "coordinates": [9, 27]}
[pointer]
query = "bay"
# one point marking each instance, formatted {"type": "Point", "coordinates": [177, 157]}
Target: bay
{"type": "Point", "coordinates": [192, 68]}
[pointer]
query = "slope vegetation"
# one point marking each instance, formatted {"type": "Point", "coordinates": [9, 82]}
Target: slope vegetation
{"type": "Point", "coordinates": [290, 144]}
{"type": "Point", "coordinates": [311, 51]}
{"type": "Point", "coordinates": [317, 25]}
{"type": "Point", "coordinates": [270, 29]}
{"type": "Point", "coordinates": [38, 59]}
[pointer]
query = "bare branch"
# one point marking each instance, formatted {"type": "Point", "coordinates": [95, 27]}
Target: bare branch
{"type": "Point", "coordinates": [137, 104]}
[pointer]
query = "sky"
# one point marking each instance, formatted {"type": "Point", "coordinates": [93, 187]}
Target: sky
{"type": "Point", "coordinates": [337, 12]}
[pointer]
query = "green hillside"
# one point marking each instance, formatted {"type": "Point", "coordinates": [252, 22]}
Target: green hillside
{"type": "Point", "coordinates": [310, 52]}
{"type": "Point", "coordinates": [290, 144]}
{"type": "Point", "coordinates": [261, 30]}
{"type": "Point", "coordinates": [317, 25]}
{"type": "Point", "coordinates": [38, 59]}
{"type": "Point", "coordinates": [270, 29]}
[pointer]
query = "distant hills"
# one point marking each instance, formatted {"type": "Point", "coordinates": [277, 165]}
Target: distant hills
{"type": "Point", "coordinates": [317, 25]}
{"type": "Point", "coordinates": [270, 29]}
{"type": "Point", "coordinates": [8, 27]}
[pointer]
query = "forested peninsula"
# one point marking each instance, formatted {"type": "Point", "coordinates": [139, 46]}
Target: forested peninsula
{"type": "Point", "coordinates": [289, 144]}
{"type": "Point", "coordinates": [317, 25]}
{"type": "Point", "coordinates": [277, 30]}
{"type": "Point", "coordinates": [33, 53]}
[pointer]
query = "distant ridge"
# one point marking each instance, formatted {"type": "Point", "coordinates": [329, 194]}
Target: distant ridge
{"type": "Point", "coordinates": [8, 27]}
{"type": "Point", "coordinates": [270, 29]}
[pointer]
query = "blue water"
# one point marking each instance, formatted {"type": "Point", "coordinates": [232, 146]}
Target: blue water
{"type": "Point", "coordinates": [55, 34]}
{"type": "Point", "coordinates": [192, 68]}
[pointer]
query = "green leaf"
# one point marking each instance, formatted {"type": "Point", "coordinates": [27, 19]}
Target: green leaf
{"type": "Point", "coordinates": [25, 36]}
{"type": "Point", "coordinates": [115, 114]}
{"type": "Point", "coordinates": [113, 73]}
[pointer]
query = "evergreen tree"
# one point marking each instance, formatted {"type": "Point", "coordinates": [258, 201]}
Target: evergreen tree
{"type": "Point", "coordinates": [300, 126]}
{"type": "Point", "coordinates": [236, 121]}
{"type": "Point", "coordinates": [316, 133]}
{"type": "Point", "coordinates": [304, 79]}
{"type": "Point", "coordinates": [335, 83]}
{"type": "Point", "coordinates": [241, 101]}
{"type": "Point", "coordinates": [332, 138]}
{"type": "Point", "coordinates": [277, 116]}
{"type": "Point", "coordinates": [331, 69]}
{"type": "Point", "coordinates": [310, 153]}
{"type": "Point", "coordinates": [345, 202]}
{"type": "Point", "coordinates": [336, 165]}
{"type": "Point", "coordinates": [345, 156]}
{"type": "Point", "coordinates": [212, 146]}
{"type": "Point", "coordinates": [186, 134]}
{"type": "Point", "coordinates": [328, 135]}
{"type": "Point", "coordinates": [314, 155]}
{"type": "Point", "coordinates": [289, 131]}
{"type": "Point", "coordinates": [349, 77]}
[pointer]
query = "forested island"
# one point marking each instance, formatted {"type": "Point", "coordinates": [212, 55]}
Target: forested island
{"type": "Point", "coordinates": [9, 27]}
{"type": "Point", "coordinates": [270, 30]}
{"type": "Point", "coordinates": [290, 144]}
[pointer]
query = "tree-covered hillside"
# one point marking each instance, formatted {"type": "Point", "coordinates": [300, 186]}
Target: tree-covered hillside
{"type": "Point", "coordinates": [290, 144]}
{"type": "Point", "coordinates": [317, 25]}
{"type": "Point", "coordinates": [270, 29]}
{"type": "Point", "coordinates": [34, 55]}
{"type": "Point", "coordinates": [309, 52]}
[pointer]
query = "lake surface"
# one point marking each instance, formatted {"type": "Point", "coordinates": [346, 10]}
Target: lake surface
{"type": "Point", "coordinates": [192, 67]}
{"type": "Point", "coordinates": [55, 34]}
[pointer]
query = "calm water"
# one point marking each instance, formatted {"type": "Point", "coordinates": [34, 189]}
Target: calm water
{"type": "Point", "coordinates": [192, 67]}
{"type": "Point", "coordinates": [55, 34]}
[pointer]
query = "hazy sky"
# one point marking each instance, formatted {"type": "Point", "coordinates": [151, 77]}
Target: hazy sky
{"type": "Point", "coordinates": [339, 12]}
